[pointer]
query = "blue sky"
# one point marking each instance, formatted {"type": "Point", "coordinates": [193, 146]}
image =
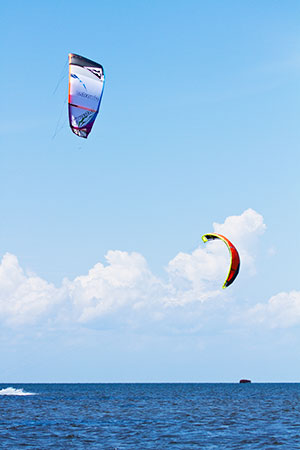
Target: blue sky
{"type": "Point", "coordinates": [104, 276]}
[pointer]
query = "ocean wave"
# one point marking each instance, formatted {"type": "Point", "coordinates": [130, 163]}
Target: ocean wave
{"type": "Point", "coordinates": [13, 391]}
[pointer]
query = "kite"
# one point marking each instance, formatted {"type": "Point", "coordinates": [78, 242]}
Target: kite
{"type": "Point", "coordinates": [235, 259]}
{"type": "Point", "coordinates": [86, 84]}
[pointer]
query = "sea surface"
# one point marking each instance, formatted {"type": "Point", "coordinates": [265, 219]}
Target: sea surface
{"type": "Point", "coordinates": [183, 416]}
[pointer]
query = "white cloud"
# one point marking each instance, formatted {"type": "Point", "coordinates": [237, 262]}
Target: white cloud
{"type": "Point", "coordinates": [242, 228]}
{"type": "Point", "coordinates": [124, 290]}
{"type": "Point", "coordinates": [281, 311]}
{"type": "Point", "coordinates": [244, 231]}
{"type": "Point", "coordinates": [124, 281]}
{"type": "Point", "coordinates": [210, 262]}
{"type": "Point", "coordinates": [23, 297]}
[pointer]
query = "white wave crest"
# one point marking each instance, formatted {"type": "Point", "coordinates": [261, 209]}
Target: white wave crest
{"type": "Point", "coordinates": [13, 391]}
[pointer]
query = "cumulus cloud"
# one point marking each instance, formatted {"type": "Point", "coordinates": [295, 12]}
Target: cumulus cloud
{"type": "Point", "coordinates": [281, 311]}
{"type": "Point", "coordinates": [206, 264]}
{"type": "Point", "coordinates": [125, 281]}
{"type": "Point", "coordinates": [124, 290]}
{"type": "Point", "coordinates": [244, 230]}
{"type": "Point", "coordinates": [24, 298]}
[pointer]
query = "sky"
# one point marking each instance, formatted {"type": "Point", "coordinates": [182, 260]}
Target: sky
{"type": "Point", "coordinates": [103, 273]}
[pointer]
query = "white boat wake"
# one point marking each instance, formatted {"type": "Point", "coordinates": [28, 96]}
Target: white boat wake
{"type": "Point", "coordinates": [13, 391]}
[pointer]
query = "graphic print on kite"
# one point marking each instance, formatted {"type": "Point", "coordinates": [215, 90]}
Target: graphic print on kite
{"type": "Point", "coordinates": [86, 84]}
{"type": "Point", "coordinates": [234, 257]}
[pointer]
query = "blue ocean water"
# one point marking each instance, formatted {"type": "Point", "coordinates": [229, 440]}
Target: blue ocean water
{"type": "Point", "coordinates": [182, 416]}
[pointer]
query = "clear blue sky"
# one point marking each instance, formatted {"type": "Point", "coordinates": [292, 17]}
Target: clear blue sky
{"type": "Point", "coordinates": [199, 122]}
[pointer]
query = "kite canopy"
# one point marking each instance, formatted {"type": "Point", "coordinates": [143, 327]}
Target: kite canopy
{"type": "Point", "coordinates": [86, 84]}
{"type": "Point", "coordinates": [235, 259]}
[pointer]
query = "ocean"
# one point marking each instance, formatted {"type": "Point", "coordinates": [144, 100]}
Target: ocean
{"type": "Point", "coordinates": [138, 416]}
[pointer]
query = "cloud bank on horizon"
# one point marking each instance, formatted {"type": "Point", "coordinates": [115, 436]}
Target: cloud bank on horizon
{"type": "Point", "coordinates": [126, 293]}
